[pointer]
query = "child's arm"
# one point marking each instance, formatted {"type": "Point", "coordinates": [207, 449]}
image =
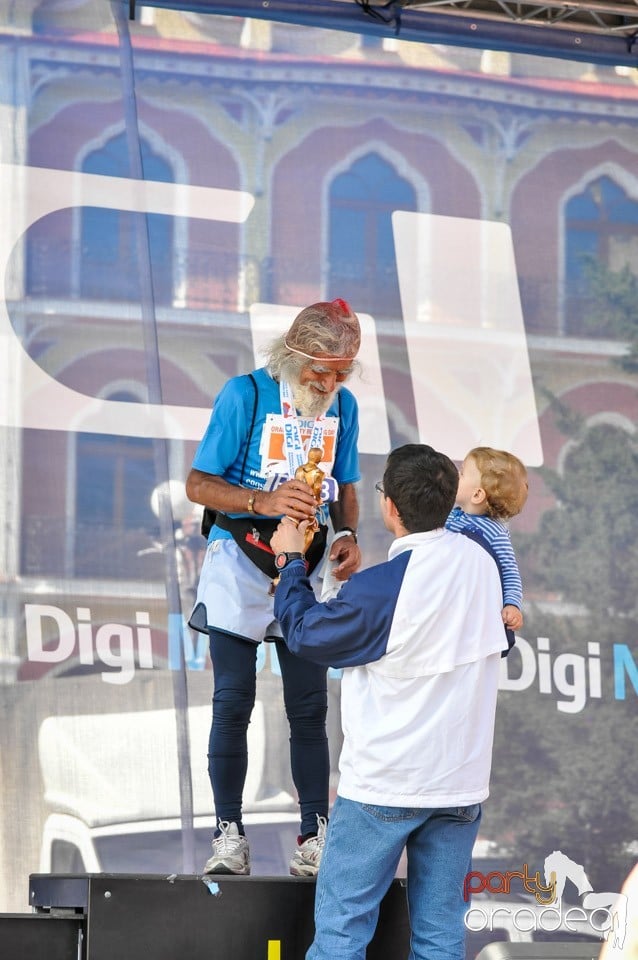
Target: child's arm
{"type": "Point", "coordinates": [512, 587]}
{"type": "Point", "coordinates": [495, 537]}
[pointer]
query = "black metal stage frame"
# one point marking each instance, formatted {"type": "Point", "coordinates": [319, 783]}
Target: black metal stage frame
{"type": "Point", "coordinates": [148, 917]}
{"type": "Point", "coordinates": [131, 917]}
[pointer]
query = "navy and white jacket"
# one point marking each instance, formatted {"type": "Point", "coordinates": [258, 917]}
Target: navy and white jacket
{"type": "Point", "coordinates": [420, 639]}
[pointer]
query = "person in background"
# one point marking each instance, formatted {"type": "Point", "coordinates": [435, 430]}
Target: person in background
{"type": "Point", "coordinates": [419, 639]}
{"type": "Point", "coordinates": [262, 427]}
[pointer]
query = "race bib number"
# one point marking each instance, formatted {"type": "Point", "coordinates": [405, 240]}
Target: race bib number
{"type": "Point", "coordinates": [329, 486]}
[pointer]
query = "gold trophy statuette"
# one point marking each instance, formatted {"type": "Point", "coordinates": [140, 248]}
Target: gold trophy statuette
{"type": "Point", "coordinates": [313, 475]}
{"type": "Point", "coordinates": [310, 473]}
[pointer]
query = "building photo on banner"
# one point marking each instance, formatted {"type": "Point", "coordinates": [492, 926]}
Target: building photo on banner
{"type": "Point", "coordinates": [174, 189]}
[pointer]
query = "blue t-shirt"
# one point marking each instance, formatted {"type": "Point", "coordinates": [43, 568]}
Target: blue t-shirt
{"type": "Point", "coordinates": [229, 449]}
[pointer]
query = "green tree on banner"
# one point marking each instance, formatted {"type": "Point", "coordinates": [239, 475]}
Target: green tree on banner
{"type": "Point", "coordinates": [566, 780]}
{"type": "Point", "coordinates": [614, 295]}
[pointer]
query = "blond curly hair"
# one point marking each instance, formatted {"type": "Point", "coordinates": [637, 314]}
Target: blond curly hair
{"type": "Point", "coordinates": [504, 479]}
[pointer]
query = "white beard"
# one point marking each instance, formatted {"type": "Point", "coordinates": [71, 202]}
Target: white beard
{"type": "Point", "coordinates": [308, 402]}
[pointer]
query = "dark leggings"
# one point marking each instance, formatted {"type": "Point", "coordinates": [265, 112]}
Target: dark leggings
{"type": "Point", "coordinates": [306, 702]}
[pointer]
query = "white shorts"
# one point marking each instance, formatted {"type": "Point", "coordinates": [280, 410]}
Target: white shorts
{"type": "Point", "coordinates": [233, 595]}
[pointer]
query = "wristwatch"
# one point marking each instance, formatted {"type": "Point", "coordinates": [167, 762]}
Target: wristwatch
{"type": "Point", "coordinates": [282, 559]}
{"type": "Point", "coordinates": [349, 531]}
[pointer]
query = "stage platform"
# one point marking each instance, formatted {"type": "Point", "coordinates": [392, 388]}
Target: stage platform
{"type": "Point", "coordinates": [129, 917]}
{"type": "Point", "coordinates": [149, 917]}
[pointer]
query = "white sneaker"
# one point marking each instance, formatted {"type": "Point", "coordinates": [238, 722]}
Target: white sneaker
{"type": "Point", "coordinates": [307, 856]}
{"type": "Point", "coordinates": [231, 853]}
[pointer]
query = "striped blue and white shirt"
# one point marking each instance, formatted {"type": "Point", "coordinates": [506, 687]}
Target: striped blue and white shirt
{"type": "Point", "coordinates": [497, 537]}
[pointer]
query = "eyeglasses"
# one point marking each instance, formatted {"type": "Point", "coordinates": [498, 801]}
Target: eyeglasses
{"type": "Point", "coordinates": [379, 488]}
{"type": "Point", "coordinates": [340, 375]}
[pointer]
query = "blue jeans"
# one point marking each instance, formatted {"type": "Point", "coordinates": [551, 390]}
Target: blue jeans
{"type": "Point", "coordinates": [363, 847]}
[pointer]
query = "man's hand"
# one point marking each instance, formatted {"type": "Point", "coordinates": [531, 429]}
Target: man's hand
{"type": "Point", "coordinates": [293, 498]}
{"type": "Point", "coordinates": [289, 537]}
{"type": "Point", "coordinates": [512, 617]}
{"type": "Point", "coordinates": [347, 555]}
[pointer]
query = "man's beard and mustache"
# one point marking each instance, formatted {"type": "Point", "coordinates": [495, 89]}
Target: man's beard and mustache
{"type": "Point", "coordinates": [308, 402]}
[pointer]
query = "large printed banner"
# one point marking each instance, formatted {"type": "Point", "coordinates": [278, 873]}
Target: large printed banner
{"type": "Point", "coordinates": [486, 308]}
{"type": "Point", "coordinates": [480, 213]}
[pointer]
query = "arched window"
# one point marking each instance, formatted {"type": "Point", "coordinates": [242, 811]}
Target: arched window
{"type": "Point", "coordinates": [601, 225]}
{"type": "Point", "coordinates": [109, 268]}
{"type": "Point", "coordinates": [361, 246]}
{"type": "Point", "coordinates": [115, 523]}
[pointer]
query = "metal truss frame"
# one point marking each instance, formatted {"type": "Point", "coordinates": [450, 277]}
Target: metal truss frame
{"type": "Point", "coordinates": [583, 16]}
{"type": "Point", "coordinates": [594, 31]}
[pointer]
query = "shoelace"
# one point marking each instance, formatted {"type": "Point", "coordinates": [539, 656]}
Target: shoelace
{"type": "Point", "coordinates": [322, 825]}
{"type": "Point", "coordinates": [225, 843]}
{"type": "Point", "coordinates": [317, 843]}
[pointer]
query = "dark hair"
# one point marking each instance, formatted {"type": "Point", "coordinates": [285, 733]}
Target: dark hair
{"type": "Point", "coordinates": [422, 483]}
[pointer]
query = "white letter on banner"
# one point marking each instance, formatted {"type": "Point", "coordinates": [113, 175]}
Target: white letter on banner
{"type": "Point", "coordinates": [85, 635]}
{"type": "Point", "coordinates": [528, 667]}
{"type": "Point", "coordinates": [569, 677]}
{"type": "Point", "coordinates": [30, 397]}
{"type": "Point", "coordinates": [466, 340]}
{"type": "Point", "coordinates": [144, 641]}
{"type": "Point", "coordinates": [465, 335]}
{"type": "Point", "coordinates": [34, 613]}
{"type": "Point", "coordinates": [124, 659]}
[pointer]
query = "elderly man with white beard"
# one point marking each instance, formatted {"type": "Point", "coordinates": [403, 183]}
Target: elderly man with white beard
{"type": "Point", "coordinates": [261, 429]}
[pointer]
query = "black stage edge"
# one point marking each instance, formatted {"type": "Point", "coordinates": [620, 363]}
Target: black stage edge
{"type": "Point", "coordinates": [34, 936]}
{"type": "Point", "coordinates": [132, 917]}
